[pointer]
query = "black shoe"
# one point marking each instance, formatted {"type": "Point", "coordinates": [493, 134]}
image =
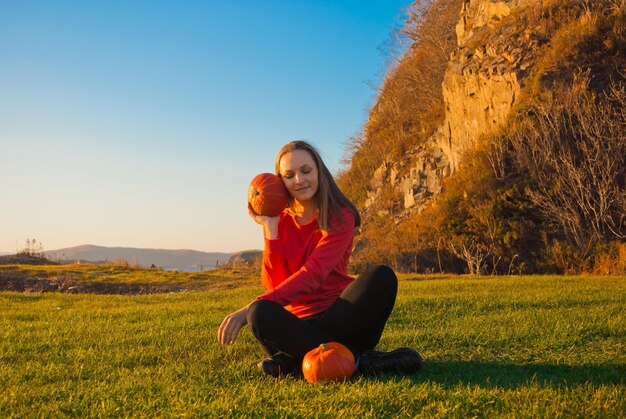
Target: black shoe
{"type": "Point", "coordinates": [276, 367]}
{"type": "Point", "coordinates": [403, 361]}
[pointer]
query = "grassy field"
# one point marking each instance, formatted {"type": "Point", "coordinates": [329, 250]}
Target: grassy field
{"type": "Point", "coordinates": [494, 346]}
{"type": "Point", "coordinates": [114, 279]}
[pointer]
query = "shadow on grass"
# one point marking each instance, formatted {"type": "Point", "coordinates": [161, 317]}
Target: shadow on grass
{"type": "Point", "coordinates": [510, 376]}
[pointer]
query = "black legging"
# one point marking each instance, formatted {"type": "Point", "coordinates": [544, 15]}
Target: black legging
{"type": "Point", "coordinates": [356, 319]}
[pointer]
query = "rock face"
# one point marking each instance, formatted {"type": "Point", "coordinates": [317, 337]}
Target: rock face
{"type": "Point", "coordinates": [484, 75]}
{"type": "Point", "coordinates": [484, 79]}
{"type": "Point", "coordinates": [416, 178]}
{"type": "Point", "coordinates": [489, 99]}
{"type": "Point", "coordinates": [245, 258]}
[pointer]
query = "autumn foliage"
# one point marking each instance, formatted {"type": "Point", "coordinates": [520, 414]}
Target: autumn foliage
{"type": "Point", "coordinates": [547, 193]}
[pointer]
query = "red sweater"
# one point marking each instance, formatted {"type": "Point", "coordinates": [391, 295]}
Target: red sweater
{"type": "Point", "coordinates": [306, 269]}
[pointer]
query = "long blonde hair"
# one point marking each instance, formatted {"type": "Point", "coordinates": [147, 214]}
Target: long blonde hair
{"type": "Point", "coordinates": [329, 200]}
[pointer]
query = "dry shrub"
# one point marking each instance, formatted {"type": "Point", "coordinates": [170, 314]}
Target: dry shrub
{"type": "Point", "coordinates": [563, 257]}
{"type": "Point", "coordinates": [588, 35]}
{"type": "Point", "coordinates": [480, 221]}
{"type": "Point", "coordinates": [123, 263]}
{"type": "Point", "coordinates": [610, 259]}
{"type": "Point", "coordinates": [572, 144]}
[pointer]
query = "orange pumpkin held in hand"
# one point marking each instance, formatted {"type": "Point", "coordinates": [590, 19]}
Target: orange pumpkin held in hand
{"type": "Point", "coordinates": [267, 195]}
{"type": "Point", "coordinates": [328, 362]}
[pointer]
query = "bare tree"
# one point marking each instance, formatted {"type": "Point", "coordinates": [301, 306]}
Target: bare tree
{"type": "Point", "coordinates": [574, 148]}
{"type": "Point", "coordinates": [33, 248]}
{"type": "Point", "coordinates": [473, 252]}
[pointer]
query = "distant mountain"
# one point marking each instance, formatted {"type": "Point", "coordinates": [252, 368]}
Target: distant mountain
{"type": "Point", "coordinates": [6, 253]}
{"type": "Point", "coordinates": [179, 259]}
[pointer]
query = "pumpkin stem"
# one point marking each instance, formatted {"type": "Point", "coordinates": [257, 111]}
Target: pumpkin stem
{"type": "Point", "coordinates": [323, 347]}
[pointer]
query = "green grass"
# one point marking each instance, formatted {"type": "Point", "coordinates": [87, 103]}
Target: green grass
{"type": "Point", "coordinates": [494, 346]}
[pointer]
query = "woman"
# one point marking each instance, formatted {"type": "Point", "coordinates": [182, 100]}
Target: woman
{"type": "Point", "coordinates": [309, 297]}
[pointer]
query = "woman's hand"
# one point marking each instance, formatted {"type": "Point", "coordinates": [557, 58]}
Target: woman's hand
{"type": "Point", "coordinates": [270, 224]}
{"type": "Point", "coordinates": [231, 325]}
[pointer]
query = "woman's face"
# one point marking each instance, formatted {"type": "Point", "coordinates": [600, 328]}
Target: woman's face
{"type": "Point", "coordinates": [300, 175]}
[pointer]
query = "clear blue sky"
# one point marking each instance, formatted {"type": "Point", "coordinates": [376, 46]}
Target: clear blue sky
{"type": "Point", "coordinates": [141, 123]}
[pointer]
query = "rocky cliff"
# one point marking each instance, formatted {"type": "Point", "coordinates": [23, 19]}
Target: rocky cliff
{"type": "Point", "coordinates": [482, 83]}
{"type": "Point", "coordinates": [497, 142]}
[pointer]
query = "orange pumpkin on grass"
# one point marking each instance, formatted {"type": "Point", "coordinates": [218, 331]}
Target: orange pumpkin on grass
{"type": "Point", "coordinates": [330, 361]}
{"type": "Point", "coordinates": [267, 195]}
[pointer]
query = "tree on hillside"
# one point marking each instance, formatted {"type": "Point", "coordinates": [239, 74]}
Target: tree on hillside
{"type": "Point", "coordinates": [409, 104]}
{"type": "Point", "coordinates": [33, 248]}
{"type": "Point", "coordinates": [573, 146]}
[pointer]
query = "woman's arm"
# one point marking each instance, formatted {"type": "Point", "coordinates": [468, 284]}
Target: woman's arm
{"type": "Point", "coordinates": [270, 224]}
{"type": "Point", "coordinates": [326, 256]}
{"type": "Point", "coordinates": [231, 325]}
{"type": "Point", "coordinates": [273, 267]}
